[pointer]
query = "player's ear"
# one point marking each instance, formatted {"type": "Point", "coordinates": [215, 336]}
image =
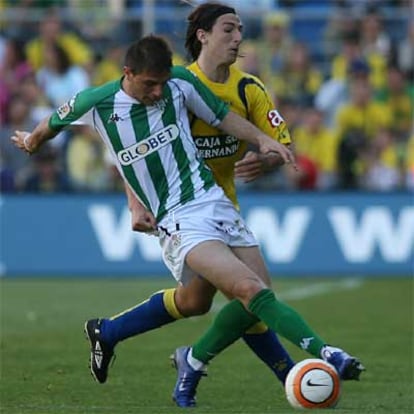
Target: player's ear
{"type": "Point", "coordinates": [201, 36]}
{"type": "Point", "coordinates": [128, 72]}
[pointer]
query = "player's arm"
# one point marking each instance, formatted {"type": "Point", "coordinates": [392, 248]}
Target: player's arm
{"type": "Point", "coordinates": [141, 219]}
{"type": "Point", "coordinates": [235, 125]}
{"type": "Point", "coordinates": [70, 112]}
{"type": "Point", "coordinates": [253, 165]}
{"type": "Point", "coordinates": [263, 114]}
{"type": "Point", "coordinates": [31, 142]}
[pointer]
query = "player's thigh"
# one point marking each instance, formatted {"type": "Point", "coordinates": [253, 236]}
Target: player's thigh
{"type": "Point", "coordinates": [222, 268]}
{"type": "Point", "coordinates": [253, 258]}
{"type": "Point", "coordinates": [195, 297]}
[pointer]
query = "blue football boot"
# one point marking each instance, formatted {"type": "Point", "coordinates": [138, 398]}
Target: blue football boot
{"type": "Point", "coordinates": [347, 366]}
{"type": "Point", "coordinates": [185, 389]}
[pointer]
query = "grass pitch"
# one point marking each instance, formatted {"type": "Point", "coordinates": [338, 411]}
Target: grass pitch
{"type": "Point", "coordinates": [44, 354]}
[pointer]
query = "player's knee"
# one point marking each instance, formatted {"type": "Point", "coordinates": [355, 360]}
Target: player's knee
{"type": "Point", "coordinates": [247, 288]}
{"type": "Point", "coordinates": [192, 306]}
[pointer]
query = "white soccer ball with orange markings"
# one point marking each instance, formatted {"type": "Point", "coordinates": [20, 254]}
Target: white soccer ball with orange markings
{"type": "Point", "coordinates": [313, 383]}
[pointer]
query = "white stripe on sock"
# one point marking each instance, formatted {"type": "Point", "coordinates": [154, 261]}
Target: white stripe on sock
{"type": "Point", "coordinates": [193, 362]}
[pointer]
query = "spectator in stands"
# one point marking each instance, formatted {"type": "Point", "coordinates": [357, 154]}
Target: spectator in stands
{"type": "Point", "coordinates": [335, 91]}
{"type": "Point", "coordinates": [358, 122]}
{"type": "Point", "coordinates": [46, 176]}
{"type": "Point", "coordinates": [384, 167]}
{"type": "Point", "coordinates": [298, 79]}
{"type": "Point", "coordinates": [13, 68]}
{"type": "Point", "coordinates": [338, 27]}
{"type": "Point", "coordinates": [319, 145]}
{"type": "Point", "coordinates": [405, 52]}
{"type": "Point", "coordinates": [249, 58]}
{"type": "Point", "coordinates": [97, 20]}
{"type": "Point", "coordinates": [25, 13]}
{"type": "Point", "coordinates": [58, 78]}
{"type": "Point", "coordinates": [14, 162]}
{"type": "Point", "coordinates": [409, 164]}
{"type": "Point", "coordinates": [374, 40]}
{"type": "Point", "coordinates": [396, 96]}
{"type": "Point", "coordinates": [51, 32]}
{"type": "Point", "coordinates": [352, 50]}
{"type": "Point", "coordinates": [3, 41]}
{"type": "Point", "coordinates": [108, 66]}
{"type": "Point", "coordinates": [360, 7]}
{"type": "Point", "coordinates": [114, 182]}
{"type": "Point", "coordinates": [274, 48]}
{"type": "Point", "coordinates": [292, 113]}
{"type": "Point", "coordinates": [35, 97]}
{"type": "Point", "coordinates": [40, 107]}
{"type": "Point", "coordinates": [85, 160]}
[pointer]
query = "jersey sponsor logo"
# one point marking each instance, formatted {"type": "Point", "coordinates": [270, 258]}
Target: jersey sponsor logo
{"type": "Point", "coordinates": [217, 146]}
{"type": "Point", "coordinates": [64, 110]}
{"type": "Point", "coordinates": [149, 145]}
{"type": "Point", "coordinates": [274, 118]}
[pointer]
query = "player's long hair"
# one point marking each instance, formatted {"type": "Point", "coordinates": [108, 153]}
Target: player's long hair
{"type": "Point", "coordinates": [203, 17]}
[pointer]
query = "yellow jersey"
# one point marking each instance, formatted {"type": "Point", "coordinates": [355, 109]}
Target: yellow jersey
{"type": "Point", "coordinates": [368, 120]}
{"type": "Point", "coordinates": [320, 147]}
{"type": "Point", "coordinates": [246, 95]}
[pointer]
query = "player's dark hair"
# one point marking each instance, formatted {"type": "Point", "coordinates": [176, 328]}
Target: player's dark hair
{"type": "Point", "coordinates": [151, 53]}
{"type": "Point", "coordinates": [203, 17]}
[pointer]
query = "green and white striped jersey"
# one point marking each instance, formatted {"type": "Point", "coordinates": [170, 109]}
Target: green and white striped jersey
{"type": "Point", "coordinates": [152, 145]}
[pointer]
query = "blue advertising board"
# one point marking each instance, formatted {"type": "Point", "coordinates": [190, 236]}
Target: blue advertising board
{"type": "Point", "coordinates": [299, 233]}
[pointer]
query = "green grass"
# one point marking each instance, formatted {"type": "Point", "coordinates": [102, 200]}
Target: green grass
{"type": "Point", "coordinates": [44, 355]}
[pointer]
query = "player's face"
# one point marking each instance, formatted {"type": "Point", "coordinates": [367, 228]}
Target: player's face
{"type": "Point", "coordinates": [146, 87]}
{"type": "Point", "coordinates": [223, 41]}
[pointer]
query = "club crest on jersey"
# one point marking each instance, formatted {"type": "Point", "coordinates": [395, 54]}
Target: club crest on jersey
{"type": "Point", "coordinates": [149, 145]}
{"type": "Point", "coordinates": [64, 110]}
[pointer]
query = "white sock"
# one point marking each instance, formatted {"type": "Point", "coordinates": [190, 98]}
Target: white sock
{"type": "Point", "coordinates": [193, 362]}
{"type": "Point", "coordinates": [328, 350]}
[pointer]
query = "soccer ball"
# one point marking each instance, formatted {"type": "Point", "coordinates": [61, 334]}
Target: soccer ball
{"type": "Point", "coordinates": [313, 383]}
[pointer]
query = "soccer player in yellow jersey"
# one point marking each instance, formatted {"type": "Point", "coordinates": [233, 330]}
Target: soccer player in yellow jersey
{"type": "Point", "coordinates": [213, 39]}
{"type": "Point", "coordinates": [246, 96]}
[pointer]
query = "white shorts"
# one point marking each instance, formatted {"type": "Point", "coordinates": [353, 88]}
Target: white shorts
{"type": "Point", "coordinates": [209, 217]}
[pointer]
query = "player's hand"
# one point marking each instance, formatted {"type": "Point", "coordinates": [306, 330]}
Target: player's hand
{"type": "Point", "coordinates": [268, 146]}
{"type": "Point", "coordinates": [142, 220]}
{"type": "Point", "coordinates": [250, 167]}
{"type": "Point", "coordinates": [20, 140]}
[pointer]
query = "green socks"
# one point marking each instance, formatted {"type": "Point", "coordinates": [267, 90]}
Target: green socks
{"type": "Point", "coordinates": [228, 326]}
{"type": "Point", "coordinates": [285, 321]}
{"type": "Point", "coordinates": [233, 320]}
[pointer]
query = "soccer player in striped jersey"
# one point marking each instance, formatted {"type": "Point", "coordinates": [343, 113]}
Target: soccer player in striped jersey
{"type": "Point", "coordinates": [213, 37]}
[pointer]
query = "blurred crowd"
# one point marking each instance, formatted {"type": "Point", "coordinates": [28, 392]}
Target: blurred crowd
{"type": "Point", "coordinates": [341, 74]}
